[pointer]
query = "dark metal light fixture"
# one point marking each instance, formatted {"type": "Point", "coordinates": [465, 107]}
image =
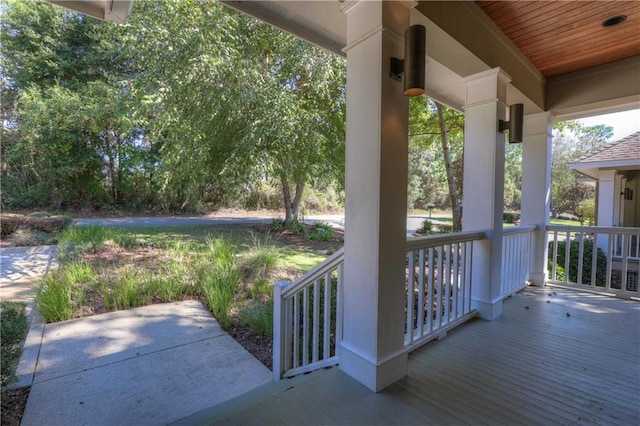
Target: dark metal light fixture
{"type": "Point", "coordinates": [412, 67]}
{"type": "Point", "coordinates": [614, 20]}
{"type": "Point", "coordinates": [515, 123]}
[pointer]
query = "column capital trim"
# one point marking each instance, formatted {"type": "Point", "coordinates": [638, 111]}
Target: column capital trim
{"type": "Point", "coordinates": [484, 103]}
{"type": "Point", "coordinates": [387, 32]}
{"type": "Point", "coordinates": [539, 124]}
{"type": "Point", "coordinates": [494, 72]}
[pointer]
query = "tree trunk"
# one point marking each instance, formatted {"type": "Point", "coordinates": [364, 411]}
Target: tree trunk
{"type": "Point", "coordinates": [295, 207]}
{"type": "Point", "coordinates": [451, 179]}
{"type": "Point", "coordinates": [286, 192]}
{"type": "Point", "coordinates": [291, 206]}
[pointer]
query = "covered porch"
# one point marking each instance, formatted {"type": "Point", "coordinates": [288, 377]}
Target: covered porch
{"type": "Point", "coordinates": [555, 356]}
{"type": "Point", "coordinates": [370, 308]}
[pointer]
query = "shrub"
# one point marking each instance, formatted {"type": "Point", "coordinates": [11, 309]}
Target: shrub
{"type": "Point", "coordinates": [9, 224]}
{"type": "Point", "coordinates": [277, 225]}
{"type": "Point", "coordinates": [261, 260]}
{"type": "Point", "coordinates": [321, 231]}
{"type": "Point", "coordinates": [587, 256]}
{"type": "Point", "coordinates": [259, 318]}
{"type": "Point", "coordinates": [298, 227]}
{"type": "Point", "coordinates": [510, 217]}
{"type": "Point", "coordinates": [427, 226]}
{"type": "Point", "coordinates": [586, 211]}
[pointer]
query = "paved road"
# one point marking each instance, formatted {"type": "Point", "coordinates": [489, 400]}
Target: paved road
{"type": "Point", "coordinates": [413, 221]}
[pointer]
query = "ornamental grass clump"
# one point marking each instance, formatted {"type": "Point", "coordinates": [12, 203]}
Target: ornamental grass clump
{"type": "Point", "coordinates": [219, 287]}
{"type": "Point", "coordinates": [58, 299]}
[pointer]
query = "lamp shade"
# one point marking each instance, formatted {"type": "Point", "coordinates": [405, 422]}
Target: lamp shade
{"type": "Point", "coordinates": [516, 121]}
{"type": "Point", "coordinates": [415, 41]}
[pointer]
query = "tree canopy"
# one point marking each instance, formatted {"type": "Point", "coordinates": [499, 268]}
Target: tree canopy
{"type": "Point", "coordinates": [186, 104]}
{"type": "Point", "coordinates": [190, 105]}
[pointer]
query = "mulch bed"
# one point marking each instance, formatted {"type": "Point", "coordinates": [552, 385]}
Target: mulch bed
{"type": "Point", "coordinates": [259, 346]}
{"type": "Point", "coordinates": [299, 242]}
{"type": "Point", "coordinates": [13, 403]}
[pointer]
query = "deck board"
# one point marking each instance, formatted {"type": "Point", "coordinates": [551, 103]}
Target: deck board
{"type": "Point", "coordinates": [534, 365]}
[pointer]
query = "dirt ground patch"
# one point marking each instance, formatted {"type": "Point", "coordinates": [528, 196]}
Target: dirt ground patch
{"type": "Point", "coordinates": [299, 242]}
{"type": "Point", "coordinates": [13, 403]}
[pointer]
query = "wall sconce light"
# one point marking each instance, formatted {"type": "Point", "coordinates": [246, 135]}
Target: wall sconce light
{"type": "Point", "coordinates": [413, 65]}
{"type": "Point", "coordinates": [515, 123]}
{"type": "Point", "coordinates": [628, 194]}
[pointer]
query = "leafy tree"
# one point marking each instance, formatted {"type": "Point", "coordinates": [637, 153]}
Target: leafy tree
{"type": "Point", "coordinates": [178, 108]}
{"type": "Point", "coordinates": [236, 101]}
{"type": "Point", "coordinates": [64, 92]}
{"type": "Point", "coordinates": [440, 129]}
{"type": "Point", "coordinates": [53, 159]}
{"type": "Point", "coordinates": [571, 142]}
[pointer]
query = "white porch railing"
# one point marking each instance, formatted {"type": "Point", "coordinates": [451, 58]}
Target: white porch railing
{"type": "Point", "coordinates": [307, 326]}
{"type": "Point", "coordinates": [307, 319]}
{"type": "Point", "coordinates": [516, 258]}
{"type": "Point", "coordinates": [603, 259]}
{"type": "Point", "coordinates": [629, 246]}
{"type": "Point", "coordinates": [438, 285]}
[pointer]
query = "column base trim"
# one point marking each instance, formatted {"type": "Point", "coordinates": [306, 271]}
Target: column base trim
{"type": "Point", "coordinates": [487, 310]}
{"type": "Point", "coordinates": [374, 375]}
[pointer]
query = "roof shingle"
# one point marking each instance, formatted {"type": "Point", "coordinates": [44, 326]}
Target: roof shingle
{"type": "Point", "coordinates": [624, 149]}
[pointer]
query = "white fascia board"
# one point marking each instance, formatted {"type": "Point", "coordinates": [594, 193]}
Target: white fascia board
{"type": "Point", "coordinates": [617, 164]}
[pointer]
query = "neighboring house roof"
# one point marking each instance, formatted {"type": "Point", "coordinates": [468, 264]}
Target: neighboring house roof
{"type": "Point", "coordinates": [623, 154]}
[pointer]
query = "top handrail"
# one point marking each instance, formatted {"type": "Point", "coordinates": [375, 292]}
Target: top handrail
{"type": "Point", "coordinates": [519, 229]}
{"type": "Point", "coordinates": [431, 241]}
{"type": "Point", "coordinates": [595, 229]}
{"type": "Point", "coordinates": [413, 243]}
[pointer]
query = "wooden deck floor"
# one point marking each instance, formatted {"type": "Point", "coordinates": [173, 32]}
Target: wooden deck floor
{"type": "Point", "coordinates": [534, 365]}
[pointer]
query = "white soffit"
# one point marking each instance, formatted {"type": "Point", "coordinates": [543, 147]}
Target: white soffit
{"type": "Point", "coordinates": [107, 10]}
{"type": "Point", "coordinates": [319, 22]}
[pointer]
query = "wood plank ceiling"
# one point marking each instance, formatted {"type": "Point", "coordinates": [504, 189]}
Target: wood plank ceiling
{"type": "Point", "coordinates": [564, 36]}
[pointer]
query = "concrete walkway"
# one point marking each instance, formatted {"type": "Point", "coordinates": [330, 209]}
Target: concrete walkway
{"type": "Point", "coordinates": [20, 270]}
{"type": "Point", "coordinates": [151, 365]}
{"type": "Point", "coordinates": [146, 366]}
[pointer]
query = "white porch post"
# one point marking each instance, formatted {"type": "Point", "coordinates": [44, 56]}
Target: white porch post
{"type": "Point", "coordinates": [536, 188]}
{"type": "Point", "coordinates": [606, 204]}
{"type": "Point", "coordinates": [372, 350]}
{"type": "Point", "coordinates": [483, 200]}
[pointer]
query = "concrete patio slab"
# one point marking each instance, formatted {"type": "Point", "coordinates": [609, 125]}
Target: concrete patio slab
{"type": "Point", "coordinates": [150, 365]}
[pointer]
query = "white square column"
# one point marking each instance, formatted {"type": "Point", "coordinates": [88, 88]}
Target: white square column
{"type": "Point", "coordinates": [607, 191]}
{"type": "Point", "coordinates": [608, 188]}
{"type": "Point", "coordinates": [372, 350]}
{"type": "Point", "coordinates": [536, 188]}
{"type": "Point", "coordinates": [483, 199]}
